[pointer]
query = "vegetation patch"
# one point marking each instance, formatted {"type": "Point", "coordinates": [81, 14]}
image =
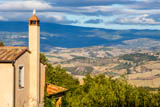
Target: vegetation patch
{"type": "Point", "coordinates": [97, 91]}
{"type": "Point", "coordinates": [54, 56]}
{"type": "Point", "coordinates": [139, 57]}
{"type": "Point", "coordinates": [82, 70]}
{"type": "Point", "coordinates": [123, 66]}
{"type": "Point", "coordinates": [111, 74]}
{"type": "Point", "coordinates": [100, 91]}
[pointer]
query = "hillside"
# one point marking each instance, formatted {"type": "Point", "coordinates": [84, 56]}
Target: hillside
{"type": "Point", "coordinates": [140, 67]}
{"type": "Point", "coordinates": [66, 36]}
{"type": "Point", "coordinates": [83, 50]}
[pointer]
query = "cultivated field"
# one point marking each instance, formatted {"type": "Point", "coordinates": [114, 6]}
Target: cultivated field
{"type": "Point", "coordinates": [140, 67]}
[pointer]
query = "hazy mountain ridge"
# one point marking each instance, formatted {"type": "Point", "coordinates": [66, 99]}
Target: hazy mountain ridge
{"type": "Point", "coordinates": [100, 49]}
{"type": "Point", "coordinates": [66, 36]}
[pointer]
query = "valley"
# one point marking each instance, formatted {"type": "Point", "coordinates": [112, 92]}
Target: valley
{"type": "Point", "coordinates": [139, 67]}
{"type": "Point", "coordinates": [132, 53]}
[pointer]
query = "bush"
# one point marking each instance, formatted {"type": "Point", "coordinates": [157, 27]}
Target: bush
{"type": "Point", "coordinates": [57, 76]}
{"type": "Point", "coordinates": [1, 44]}
{"type": "Point", "coordinates": [139, 57]}
{"type": "Point", "coordinates": [100, 91]}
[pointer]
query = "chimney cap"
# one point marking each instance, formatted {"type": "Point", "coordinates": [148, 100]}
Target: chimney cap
{"type": "Point", "coordinates": [34, 11]}
{"type": "Point", "coordinates": [34, 17]}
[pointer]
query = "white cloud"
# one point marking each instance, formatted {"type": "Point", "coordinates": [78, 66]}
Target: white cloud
{"type": "Point", "coordinates": [54, 16]}
{"type": "Point", "coordinates": [128, 12]}
{"type": "Point", "coordinates": [142, 19]}
{"type": "Point", "coordinates": [24, 5]}
{"type": "Point", "coordinates": [3, 19]}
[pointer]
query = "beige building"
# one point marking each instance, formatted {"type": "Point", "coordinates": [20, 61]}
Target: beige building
{"type": "Point", "coordinates": [22, 76]}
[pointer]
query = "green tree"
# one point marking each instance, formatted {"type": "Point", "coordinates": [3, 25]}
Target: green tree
{"type": "Point", "coordinates": [1, 44]}
{"type": "Point", "coordinates": [100, 91]}
{"type": "Point", "coordinates": [97, 91]}
{"type": "Point", "coordinates": [57, 76]}
{"type": "Point", "coordinates": [43, 59]}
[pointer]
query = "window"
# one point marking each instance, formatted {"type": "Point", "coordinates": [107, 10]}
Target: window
{"type": "Point", "coordinates": [38, 22]}
{"type": "Point", "coordinates": [21, 77]}
{"type": "Point", "coordinates": [33, 22]}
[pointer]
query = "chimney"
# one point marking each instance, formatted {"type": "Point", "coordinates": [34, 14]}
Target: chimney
{"type": "Point", "coordinates": [34, 59]}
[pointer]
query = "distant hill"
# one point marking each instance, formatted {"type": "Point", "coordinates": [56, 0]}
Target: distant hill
{"type": "Point", "coordinates": [67, 36]}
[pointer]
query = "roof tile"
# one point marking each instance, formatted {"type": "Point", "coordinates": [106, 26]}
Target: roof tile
{"type": "Point", "coordinates": [9, 54]}
{"type": "Point", "coordinates": [53, 89]}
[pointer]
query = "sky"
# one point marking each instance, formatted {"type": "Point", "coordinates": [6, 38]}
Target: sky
{"type": "Point", "coordinates": [109, 14]}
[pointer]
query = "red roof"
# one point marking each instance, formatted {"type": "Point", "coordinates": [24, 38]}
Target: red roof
{"type": "Point", "coordinates": [53, 89]}
{"type": "Point", "coordinates": [9, 54]}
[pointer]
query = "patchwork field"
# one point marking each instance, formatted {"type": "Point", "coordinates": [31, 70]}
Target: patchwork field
{"type": "Point", "coordinates": [139, 67]}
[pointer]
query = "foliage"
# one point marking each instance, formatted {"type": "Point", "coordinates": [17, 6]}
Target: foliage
{"type": "Point", "coordinates": [139, 57]}
{"type": "Point", "coordinates": [49, 101]}
{"type": "Point", "coordinates": [57, 76]}
{"type": "Point", "coordinates": [123, 66]}
{"type": "Point", "coordinates": [82, 70]}
{"type": "Point", "coordinates": [100, 91]}
{"type": "Point", "coordinates": [43, 59]}
{"type": "Point", "coordinates": [1, 44]}
{"type": "Point", "coordinates": [111, 74]}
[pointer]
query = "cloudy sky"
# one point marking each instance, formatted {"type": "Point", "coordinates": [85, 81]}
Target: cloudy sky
{"type": "Point", "coordinates": [111, 14]}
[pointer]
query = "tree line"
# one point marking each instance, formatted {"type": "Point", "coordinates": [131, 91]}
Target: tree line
{"type": "Point", "coordinates": [97, 91]}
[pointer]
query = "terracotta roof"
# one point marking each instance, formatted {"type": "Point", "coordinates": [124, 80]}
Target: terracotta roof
{"type": "Point", "coordinates": [9, 54]}
{"type": "Point", "coordinates": [53, 89]}
{"type": "Point", "coordinates": [34, 17]}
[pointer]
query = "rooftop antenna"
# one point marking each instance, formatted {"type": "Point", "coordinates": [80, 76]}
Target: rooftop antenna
{"type": "Point", "coordinates": [34, 11]}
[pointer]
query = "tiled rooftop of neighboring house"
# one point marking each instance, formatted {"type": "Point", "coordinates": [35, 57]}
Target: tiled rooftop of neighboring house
{"type": "Point", "coordinates": [53, 89]}
{"type": "Point", "coordinates": [9, 54]}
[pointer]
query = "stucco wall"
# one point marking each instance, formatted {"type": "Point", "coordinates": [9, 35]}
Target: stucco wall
{"type": "Point", "coordinates": [22, 94]}
{"type": "Point", "coordinates": [6, 85]}
{"type": "Point", "coordinates": [34, 47]}
{"type": "Point", "coordinates": [42, 83]}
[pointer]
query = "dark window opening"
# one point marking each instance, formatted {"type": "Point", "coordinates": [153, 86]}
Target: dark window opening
{"type": "Point", "coordinates": [33, 22]}
{"type": "Point", "coordinates": [38, 22]}
{"type": "Point", "coordinates": [21, 77]}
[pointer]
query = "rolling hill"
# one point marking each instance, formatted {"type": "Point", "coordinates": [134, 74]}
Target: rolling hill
{"type": "Point", "coordinates": [67, 36]}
